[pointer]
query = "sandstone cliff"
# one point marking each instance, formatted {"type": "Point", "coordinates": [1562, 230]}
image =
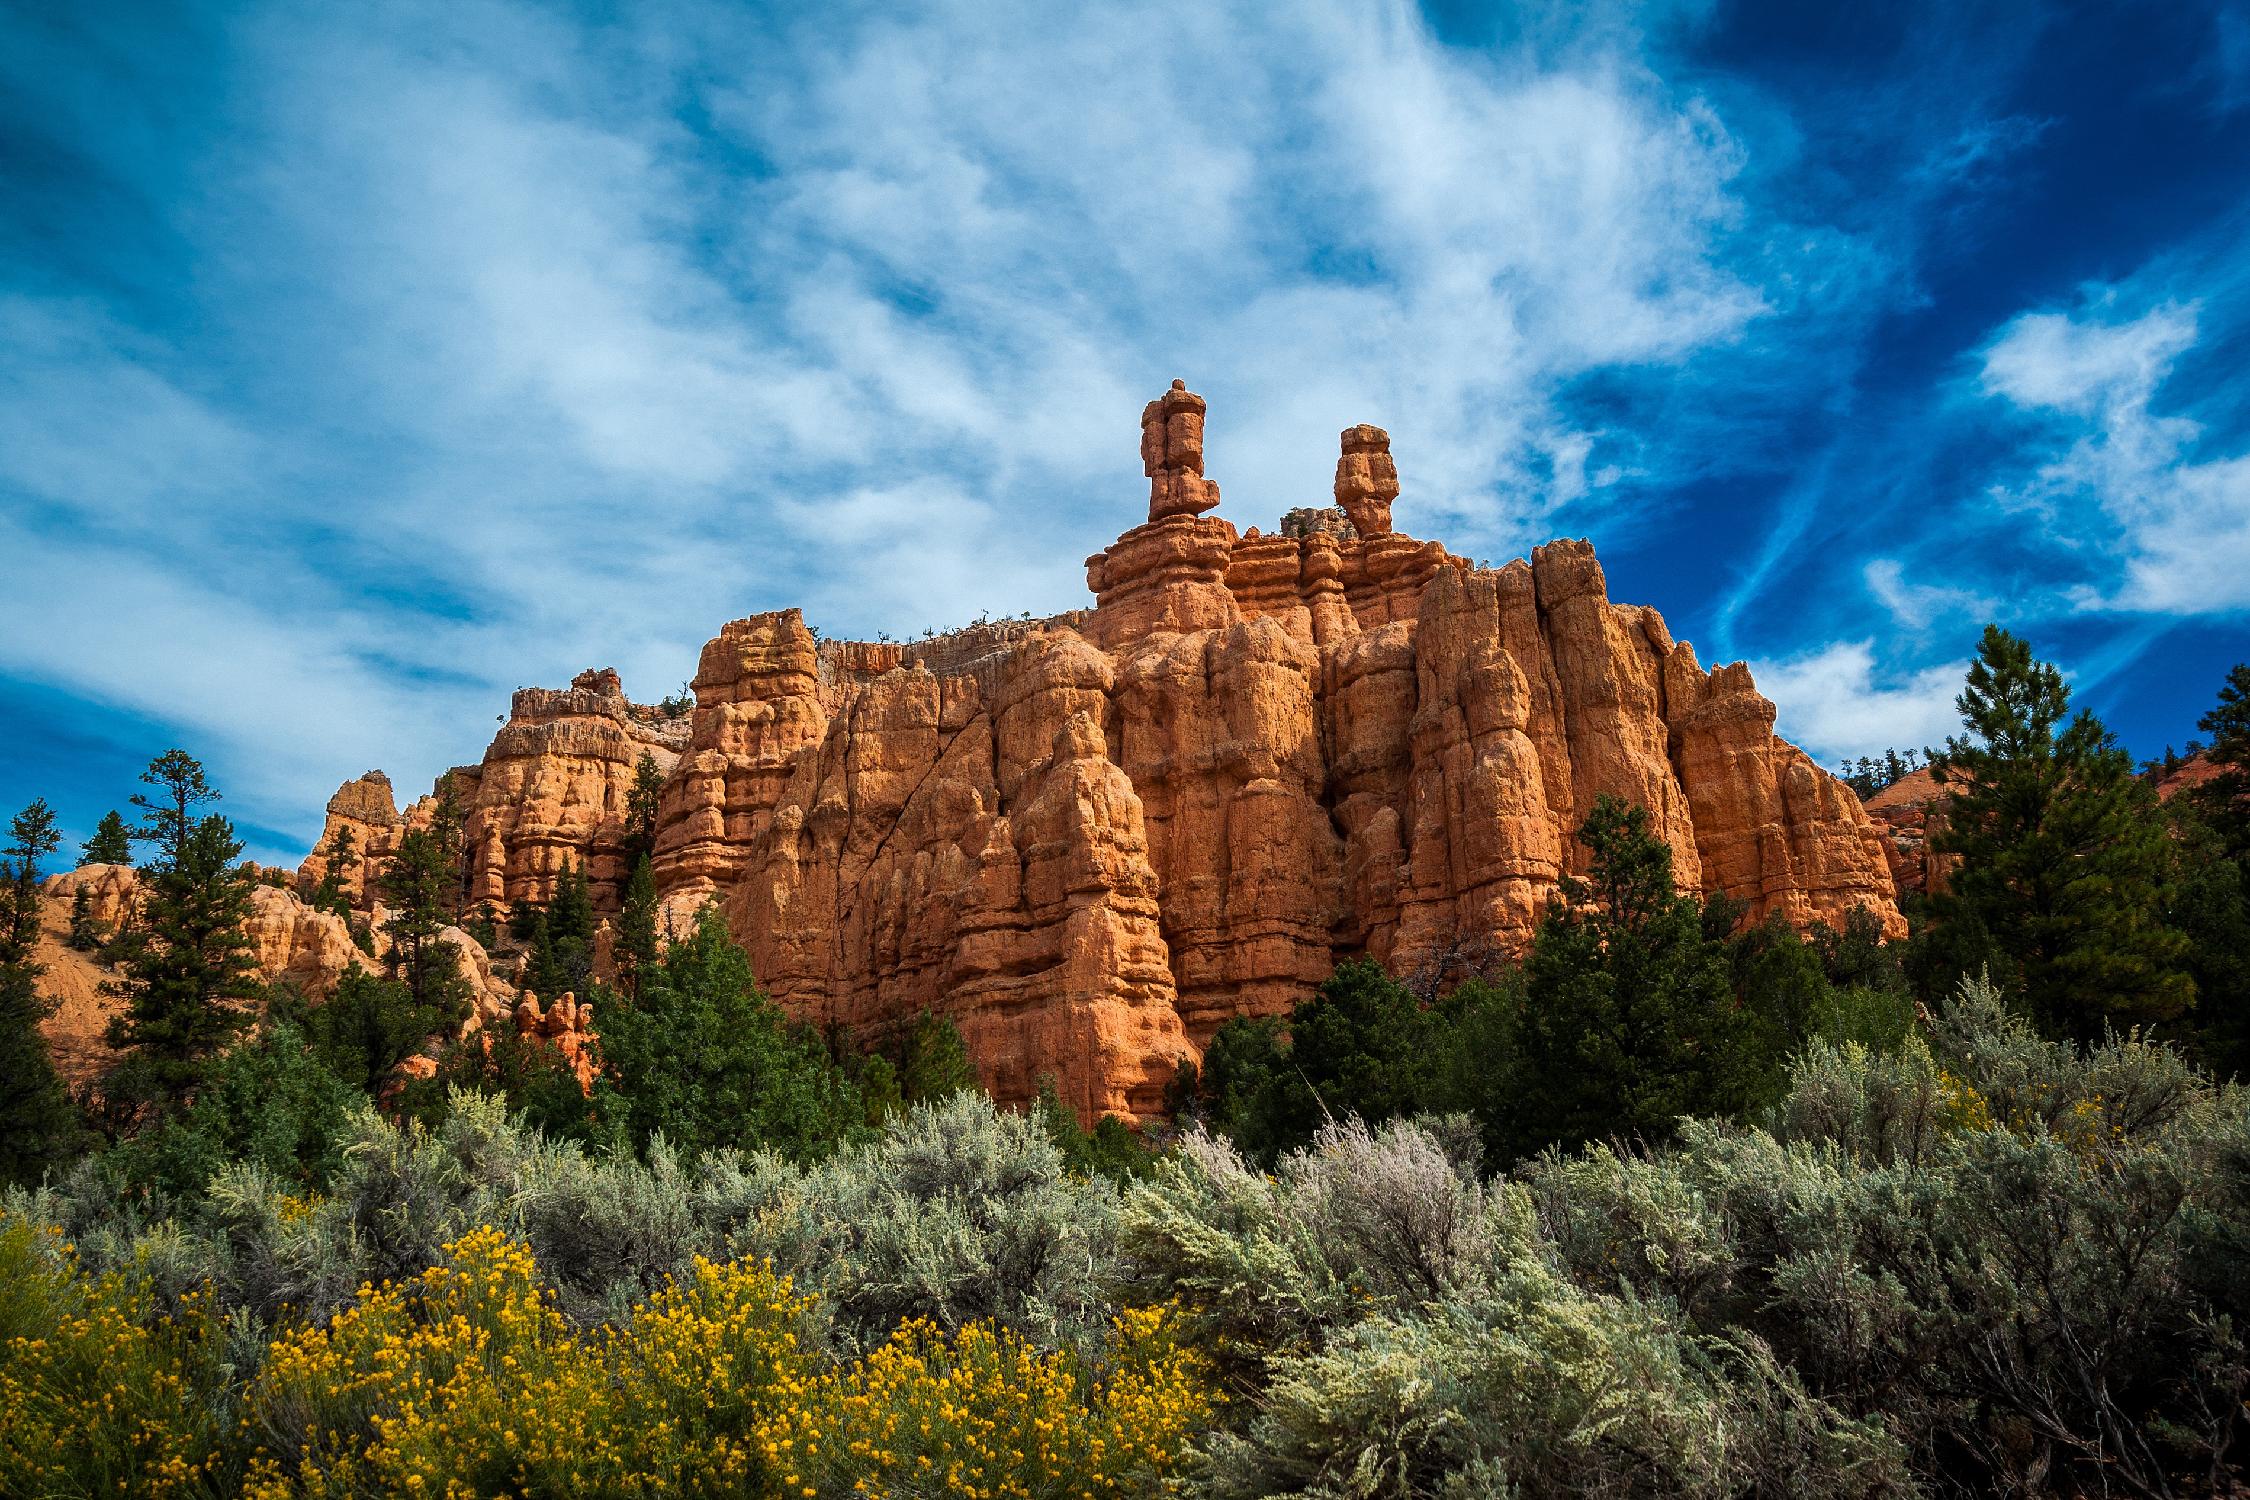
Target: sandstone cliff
{"type": "Point", "coordinates": [1092, 839]}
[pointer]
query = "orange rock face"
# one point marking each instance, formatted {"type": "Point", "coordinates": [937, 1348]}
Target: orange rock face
{"type": "Point", "coordinates": [1091, 840]}
{"type": "Point", "coordinates": [289, 942]}
{"type": "Point", "coordinates": [551, 791]}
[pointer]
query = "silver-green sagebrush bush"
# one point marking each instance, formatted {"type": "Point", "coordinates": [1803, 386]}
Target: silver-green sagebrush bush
{"type": "Point", "coordinates": [1398, 1327]}
{"type": "Point", "coordinates": [959, 1212]}
{"type": "Point", "coordinates": [1978, 1262]}
{"type": "Point", "coordinates": [2022, 1260]}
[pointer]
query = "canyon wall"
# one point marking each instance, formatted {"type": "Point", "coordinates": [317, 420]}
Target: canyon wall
{"type": "Point", "coordinates": [1090, 840]}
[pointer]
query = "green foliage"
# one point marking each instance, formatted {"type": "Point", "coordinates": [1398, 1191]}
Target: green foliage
{"type": "Point", "coordinates": [270, 1103]}
{"type": "Point", "coordinates": [86, 935]}
{"type": "Point", "coordinates": [38, 1127]}
{"type": "Point", "coordinates": [1362, 1047]}
{"type": "Point", "coordinates": [640, 810]}
{"type": "Point", "coordinates": [418, 883]}
{"type": "Point", "coordinates": [704, 1059]}
{"type": "Point", "coordinates": [331, 893]}
{"type": "Point", "coordinates": [935, 1062]}
{"type": "Point", "coordinates": [2061, 855]}
{"type": "Point", "coordinates": [111, 844]}
{"type": "Point", "coordinates": [526, 1075]}
{"type": "Point", "coordinates": [1110, 1149]}
{"type": "Point", "coordinates": [1631, 1017]}
{"type": "Point", "coordinates": [188, 973]}
{"type": "Point", "coordinates": [636, 948]}
{"type": "Point", "coordinates": [1634, 1007]}
{"type": "Point", "coordinates": [2224, 800]}
{"type": "Point", "coordinates": [366, 1027]}
{"type": "Point", "coordinates": [560, 937]}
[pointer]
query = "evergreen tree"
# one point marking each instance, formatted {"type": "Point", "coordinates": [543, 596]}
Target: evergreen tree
{"type": "Point", "coordinates": [562, 939]}
{"type": "Point", "coordinates": [111, 843]}
{"type": "Point", "coordinates": [168, 818]}
{"type": "Point", "coordinates": [188, 970]}
{"type": "Point", "coordinates": [2061, 855]}
{"type": "Point", "coordinates": [640, 810]}
{"type": "Point", "coordinates": [705, 1059]}
{"type": "Point", "coordinates": [1253, 1090]}
{"type": "Point", "coordinates": [38, 1127]}
{"type": "Point", "coordinates": [2224, 800]}
{"type": "Point", "coordinates": [1630, 1017]}
{"type": "Point", "coordinates": [367, 1027]}
{"type": "Point", "coordinates": [331, 894]}
{"type": "Point", "coordinates": [2208, 898]}
{"type": "Point", "coordinates": [447, 828]}
{"type": "Point", "coordinates": [635, 953]}
{"type": "Point", "coordinates": [86, 934]}
{"type": "Point", "coordinates": [269, 1102]}
{"type": "Point", "coordinates": [936, 1062]}
{"type": "Point", "coordinates": [1109, 1150]}
{"type": "Point", "coordinates": [417, 883]}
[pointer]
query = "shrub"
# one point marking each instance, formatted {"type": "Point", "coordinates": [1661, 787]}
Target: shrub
{"type": "Point", "coordinates": [987, 1413]}
{"type": "Point", "coordinates": [958, 1213]}
{"type": "Point", "coordinates": [2006, 1249]}
{"type": "Point", "coordinates": [467, 1379]}
{"type": "Point", "coordinates": [96, 1395]}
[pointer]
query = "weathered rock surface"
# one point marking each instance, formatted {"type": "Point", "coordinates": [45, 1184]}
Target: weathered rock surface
{"type": "Point", "coordinates": [1092, 839]}
{"type": "Point", "coordinates": [290, 942]}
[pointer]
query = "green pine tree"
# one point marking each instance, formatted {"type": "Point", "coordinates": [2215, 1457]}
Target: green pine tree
{"type": "Point", "coordinates": [704, 1058]}
{"type": "Point", "coordinates": [38, 1127]}
{"type": "Point", "coordinates": [418, 884]}
{"type": "Point", "coordinates": [188, 971]}
{"type": "Point", "coordinates": [333, 893]}
{"type": "Point", "coordinates": [1110, 1149]}
{"type": "Point", "coordinates": [935, 1064]}
{"type": "Point", "coordinates": [86, 934]}
{"type": "Point", "coordinates": [2208, 897]}
{"type": "Point", "coordinates": [640, 810]}
{"type": "Point", "coordinates": [1630, 1017]}
{"type": "Point", "coordinates": [2061, 856]}
{"type": "Point", "coordinates": [2224, 800]}
{"type": "Point", "coordinates": [111, 843]}
{"type": "Point", "coordinates": [635, 953]}
{"type": "Point", "coordinates": [562, 939]}
{"type": "Point", "coordinates": [368, 1026]}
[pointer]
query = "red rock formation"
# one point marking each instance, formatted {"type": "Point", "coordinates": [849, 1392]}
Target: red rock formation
{"type": "Point", "coordinates": [1090, 840]}
{"type": "Point", "coordinates": [289, 942]}
{"type": "Point", "coordinates": [1901, 814]}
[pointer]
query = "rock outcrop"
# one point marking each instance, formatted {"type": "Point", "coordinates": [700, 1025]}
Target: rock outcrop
{"type": "Point", "coordinates": [1090, 840]}
{"type": "Point", "coordinates": [291, 943]}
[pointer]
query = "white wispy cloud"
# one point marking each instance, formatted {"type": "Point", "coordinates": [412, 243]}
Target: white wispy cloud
{"type": "Point", "coordinates": [1918, 605]}
{"type": "Point", "coordinates": [1838, 704]}
{"type": "Point", "coordinates": [2119, 478]}
{"type": "Point", "coordinates": [553, 344]}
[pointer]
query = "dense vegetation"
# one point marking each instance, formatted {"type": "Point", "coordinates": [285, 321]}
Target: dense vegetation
{"type": "Point", "coordinates": [1674, 1204]}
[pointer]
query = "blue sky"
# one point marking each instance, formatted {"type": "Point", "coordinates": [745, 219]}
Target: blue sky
{"type": "Point", "coordinates": [361, 363]}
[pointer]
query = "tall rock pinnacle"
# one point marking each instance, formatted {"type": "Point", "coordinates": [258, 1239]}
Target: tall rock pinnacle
{"type": "Point", "coordinates": [1172, 455]}
{"type": "Point", "coordinates": [1367, 480]}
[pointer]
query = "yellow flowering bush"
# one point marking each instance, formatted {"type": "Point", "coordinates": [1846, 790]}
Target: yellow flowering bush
{"type": "Point", "coordinates": [466, 1381]}
{"type": "Point", "coordinates": [97, 1395]}
{"type": "Point", "coordinates": [986, 1414]}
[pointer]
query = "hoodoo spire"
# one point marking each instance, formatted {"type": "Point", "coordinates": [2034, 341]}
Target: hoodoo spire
{"type": "Point", "coordinates": [1172, 455]}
